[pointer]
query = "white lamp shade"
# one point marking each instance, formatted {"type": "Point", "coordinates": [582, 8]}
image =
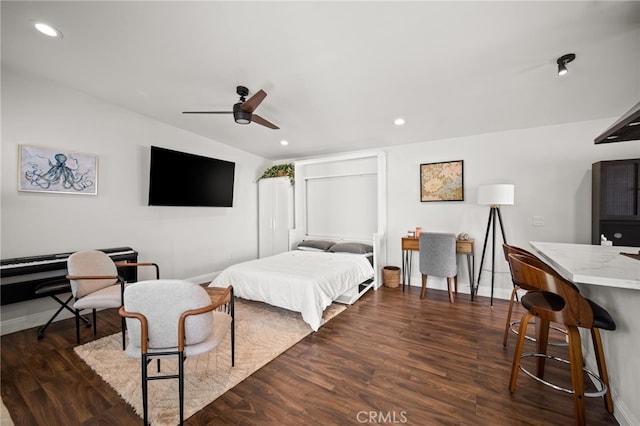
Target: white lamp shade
{"type": "Point", "coordinates": [500, 194]}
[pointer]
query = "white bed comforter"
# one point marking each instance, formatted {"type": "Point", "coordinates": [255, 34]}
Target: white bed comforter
{"type": "Point", "coordinates": [301, 281]}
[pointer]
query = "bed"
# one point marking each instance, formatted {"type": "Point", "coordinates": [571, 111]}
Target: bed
{"type": "Point", "coordinates": [306, 280]}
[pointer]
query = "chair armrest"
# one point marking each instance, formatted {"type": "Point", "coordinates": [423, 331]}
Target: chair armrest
{"type": "Point", "coordinates": [92, 277]}
{"type": "Point", "coordinates": [127, 264]}
{"type": "Point", "coordinates": [118, 279]}
{"type": "Point", "coordinates": [209, 308]}
{"type": "Point", "coordinates": [222, 299]}
{"type": "Point", "coordinates": [144, 327]}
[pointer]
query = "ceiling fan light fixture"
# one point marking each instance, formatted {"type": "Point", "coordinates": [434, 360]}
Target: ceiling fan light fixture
{"type": "Point", "coordinates": [563, 61]}
{"type": "Point", "coordinates": [47, 29]}
{"type": "Point", "coordinates": [241, 116]}
{"type": "Point", "coordinates": [562, 69]}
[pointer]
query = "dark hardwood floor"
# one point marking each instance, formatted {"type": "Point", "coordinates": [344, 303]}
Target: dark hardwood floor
{"type": "Point", "coordinates": [390, 358]}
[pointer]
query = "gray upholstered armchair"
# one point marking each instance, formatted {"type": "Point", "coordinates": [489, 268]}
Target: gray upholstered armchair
{"type": "Point", "coordinates": [171, 318]}
{"type": "Point", "coordinates": [438, 259]}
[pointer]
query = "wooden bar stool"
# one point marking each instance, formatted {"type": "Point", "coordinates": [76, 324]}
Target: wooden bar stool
{"type": "Point", "coordinates": [511, 326]}
{"type": "Point", "coordinates": [556, 301]}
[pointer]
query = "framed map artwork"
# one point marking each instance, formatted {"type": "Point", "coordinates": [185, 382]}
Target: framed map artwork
{"type": "Point", "coordinates": [442, 181]}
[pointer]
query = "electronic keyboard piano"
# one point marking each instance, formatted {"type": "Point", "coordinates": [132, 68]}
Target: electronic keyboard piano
{"type": "Point", "coordinates": [20, 276]}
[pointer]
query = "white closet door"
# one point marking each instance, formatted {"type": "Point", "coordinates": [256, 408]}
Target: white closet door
{"type": "Point", "coordinates": [265, 213]}
{"type": "Point", "coordinates": [280, 217]}
{"type": "Point", "coordinates": [275, 211]}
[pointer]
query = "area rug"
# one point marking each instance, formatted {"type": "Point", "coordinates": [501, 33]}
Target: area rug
{"type": "Point", "coordinates": [262, 333]}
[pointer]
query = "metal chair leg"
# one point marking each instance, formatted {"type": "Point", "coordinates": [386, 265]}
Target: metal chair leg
{"type": "Point", "coordinates": [144, 390]}
{"type": "Point", "coordinates": [181, 385]}
{"type": "Point", "coordinates": [64, 305]}
{"type": "Point", "coordinates": [77, 312]}
{"type": "Point", "coordinates": [232, 312]}
{"type": "Point", "coordinates": [124, 339]}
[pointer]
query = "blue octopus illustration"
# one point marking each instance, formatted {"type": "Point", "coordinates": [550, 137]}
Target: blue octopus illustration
{"type": "Point", "coordinates": [60, 172]}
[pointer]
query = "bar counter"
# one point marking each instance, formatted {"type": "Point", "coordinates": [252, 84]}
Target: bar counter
{"type": "Point", "coordinates": [612, 280]}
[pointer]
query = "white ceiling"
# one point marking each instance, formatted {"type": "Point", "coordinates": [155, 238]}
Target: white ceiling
{"type": "Point", "coordinates": [338, 73]}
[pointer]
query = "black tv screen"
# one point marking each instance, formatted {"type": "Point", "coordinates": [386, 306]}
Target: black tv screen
{"type": "Point", "coordinates": [182, 179]}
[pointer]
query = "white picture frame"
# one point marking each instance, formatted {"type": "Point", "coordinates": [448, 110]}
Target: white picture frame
{"type": "Point", "coordinates": [54, 170]}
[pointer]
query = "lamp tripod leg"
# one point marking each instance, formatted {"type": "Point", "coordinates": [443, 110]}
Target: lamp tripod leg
{"type": "Point", "coordinates": [484, 247]}
{"type": "Point", "coordinates": [493, 251]}
{"type": "Point", "coordinates": [504, 239]}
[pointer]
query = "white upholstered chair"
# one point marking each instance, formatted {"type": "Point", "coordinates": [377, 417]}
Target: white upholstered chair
{"type": "Point", "coordinates": [438, 259]}
{"type": "Point", "coordinates": [95, 284]}
{"type": "Point", "coordinates": [168, 318]}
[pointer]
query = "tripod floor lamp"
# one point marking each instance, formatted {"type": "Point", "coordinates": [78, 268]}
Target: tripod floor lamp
{"type": "Point", "coordinates": [494, 196]}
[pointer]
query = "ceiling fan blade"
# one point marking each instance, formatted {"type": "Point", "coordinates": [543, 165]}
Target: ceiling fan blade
{"type": "Point", "coordinates": [207, 112]}
{"type": "Point", "coordinates": [252, 103]}
{"type": "Point", "coordinates": [259, 120]}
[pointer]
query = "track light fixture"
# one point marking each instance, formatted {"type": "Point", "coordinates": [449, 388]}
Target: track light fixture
{"type": "Point", "coordinates": [563, 61]}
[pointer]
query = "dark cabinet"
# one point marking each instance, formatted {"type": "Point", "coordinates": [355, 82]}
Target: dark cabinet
{"type": "Point", "coordinates": [615, 210]}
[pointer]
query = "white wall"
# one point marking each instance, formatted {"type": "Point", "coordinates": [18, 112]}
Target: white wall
{"type": "Point", "coordinates": [551, 170]}
{"type": "Point", "coordinates": [184, 241]}
{"type": "Point", "coordinates": [550, 167]}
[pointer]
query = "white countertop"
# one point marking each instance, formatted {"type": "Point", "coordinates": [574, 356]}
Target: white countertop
{"type": "Point", "coordinates": [591, 264]}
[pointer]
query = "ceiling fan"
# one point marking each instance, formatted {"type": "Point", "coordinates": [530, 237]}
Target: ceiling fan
{"type": "Point", "coordinates": [243, 110]}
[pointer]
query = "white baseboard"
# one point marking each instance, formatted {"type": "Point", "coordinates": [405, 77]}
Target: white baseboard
{"type": "Point", "coordinates": [35, 319]}
{"type": "Point", "coordinates": [201, 279]}
{"type": "Point", "coordinates": [31, 320]}
{"type": "Point", "coordinates": [485, 291]}
{"type": "Point", "coordinates": [621, 411]}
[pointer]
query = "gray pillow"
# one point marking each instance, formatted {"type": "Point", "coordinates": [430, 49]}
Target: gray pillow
{"type": "Point", "coordinates": [357, 248]}
{"type": "Point", "coordinates": [315, 245]}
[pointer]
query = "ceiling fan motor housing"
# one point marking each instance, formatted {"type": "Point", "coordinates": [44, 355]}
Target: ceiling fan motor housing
{"type": "Point", "coordinates": [241, 116]}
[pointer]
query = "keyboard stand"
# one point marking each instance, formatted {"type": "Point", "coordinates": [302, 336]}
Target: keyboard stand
{"type": "Point", "coordinates": [53, 290]}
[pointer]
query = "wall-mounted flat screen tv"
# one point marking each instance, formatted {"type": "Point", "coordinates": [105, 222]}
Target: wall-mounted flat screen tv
{"type": "Point", "coordinates": [181, 179]}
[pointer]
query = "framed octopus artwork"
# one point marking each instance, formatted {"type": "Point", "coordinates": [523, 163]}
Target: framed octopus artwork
{"type": "Point", "coordinates": [57, 170]}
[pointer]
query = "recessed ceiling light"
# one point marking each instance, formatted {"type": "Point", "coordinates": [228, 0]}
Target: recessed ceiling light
{"type": "Point", "coordinates": [47, 30]}
{"type": "Point", "coordinates": [399, 121]}
{"type": "Point", "coordinates": [284, 143]}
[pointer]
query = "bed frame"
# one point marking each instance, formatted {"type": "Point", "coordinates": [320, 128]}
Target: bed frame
{"type": "Point", "coordinates": [344, 168]}
{"type": "Point", "coordinates": [350, 296]}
